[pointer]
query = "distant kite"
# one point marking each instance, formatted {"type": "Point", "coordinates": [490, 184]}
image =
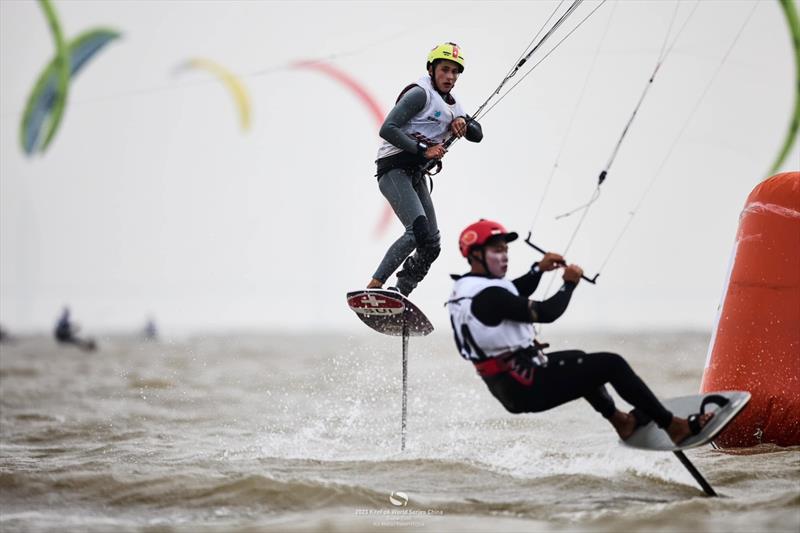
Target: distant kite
{"type": "Point", "coordinates": [46, 103]}
{"type": "Point", "coordinates": [369, 101]}
{"type": "Point", "coordinates": [47, 96]}
{"type": "Point", "coordinates": [231, 82]}
{"type": "Point", "coordinates": [348, 81]}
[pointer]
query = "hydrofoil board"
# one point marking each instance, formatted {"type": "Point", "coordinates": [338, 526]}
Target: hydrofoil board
{"type": "Point", "coordinates": [651, 437]}
{"type": "Point", "coordinates": [389, 312]}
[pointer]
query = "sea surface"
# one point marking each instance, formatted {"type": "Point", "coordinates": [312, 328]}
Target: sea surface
{"type": "Point", "coordinates": [293, 432]}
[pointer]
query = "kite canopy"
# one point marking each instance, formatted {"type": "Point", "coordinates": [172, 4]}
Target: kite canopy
{"type": "Point", "coordinates": [793, 21]}
{"type": "Point", "coordinates": [41, 105]}
{"type": "Point", "coordinates": [369, 101]}
{"type": "Point", "coordinates": [352, 84]}
{"type": "Point", "coordinates": [232, 83]}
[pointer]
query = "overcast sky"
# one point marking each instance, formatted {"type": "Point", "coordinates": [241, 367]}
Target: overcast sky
{"type": "Point", "coordinates": [151, 200]}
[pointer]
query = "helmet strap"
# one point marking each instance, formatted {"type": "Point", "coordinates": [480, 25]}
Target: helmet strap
{"type": "Point", "coordinates": [481, 259]}
{"type": "Point", "coordinates": [432, 74]}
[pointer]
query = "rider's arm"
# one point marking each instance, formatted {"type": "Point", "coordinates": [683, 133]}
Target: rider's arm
{"type": "Point", "coordinates": [528, 282]}
{"type": "Point", "coordinates": [552, 308]}
{"type": "Point", "coordinates": [411, 103]}
{"type": "Point", "coordinates": [494, 304]}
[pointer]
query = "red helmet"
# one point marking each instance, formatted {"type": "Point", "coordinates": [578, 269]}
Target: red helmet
{"type": "Point", "coordinates": [477, 233]}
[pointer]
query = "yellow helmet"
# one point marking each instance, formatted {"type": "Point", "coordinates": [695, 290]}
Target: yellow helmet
{"type": "Point", "coordinates": [449, 51]}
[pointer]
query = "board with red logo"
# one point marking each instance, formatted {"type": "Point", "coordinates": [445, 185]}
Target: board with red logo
{"type": "Point", "coordinates": [388, 312]}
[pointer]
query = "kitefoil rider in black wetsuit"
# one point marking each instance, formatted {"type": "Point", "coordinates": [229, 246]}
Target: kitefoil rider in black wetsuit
{"type": "Point", "coordinates": [493, 318]}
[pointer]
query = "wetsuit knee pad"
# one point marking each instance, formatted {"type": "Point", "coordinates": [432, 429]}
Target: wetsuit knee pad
{"type": "Point", "coordinates": [427, 243]}
{"type": "Point", "coordinates": [430, 252]}
{"type": "Point", "coordinates": [422, 232]}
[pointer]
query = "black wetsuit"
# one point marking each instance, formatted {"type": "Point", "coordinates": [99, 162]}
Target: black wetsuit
{"type": "Point", "coordinates": [523, 385]}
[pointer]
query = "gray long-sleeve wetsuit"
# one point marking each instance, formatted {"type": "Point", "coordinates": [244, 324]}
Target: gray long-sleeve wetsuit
{"type": "Point", "coordinates": [403, 184]}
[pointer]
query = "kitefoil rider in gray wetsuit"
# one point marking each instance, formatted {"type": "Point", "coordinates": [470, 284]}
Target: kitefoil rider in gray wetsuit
{"type": "Point", "coordinates": [425, 115]}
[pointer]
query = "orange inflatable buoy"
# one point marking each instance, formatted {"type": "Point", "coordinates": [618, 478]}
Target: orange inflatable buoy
{"type": "Point", "coordinates": [755, 346]}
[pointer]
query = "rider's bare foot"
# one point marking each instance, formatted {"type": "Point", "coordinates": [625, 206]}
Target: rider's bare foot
{"type": "Point", "coordinates": [679, 430]}
{"type": "Point", "coordinates": [624, 423]}
{"type": "Point", "coordinates": [374, 284]}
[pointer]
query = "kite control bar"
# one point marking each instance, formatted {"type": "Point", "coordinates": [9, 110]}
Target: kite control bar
{"type": "Point", "coordinates": [592, 280]}
{"type": "Point", "coordinates": [427, 167]}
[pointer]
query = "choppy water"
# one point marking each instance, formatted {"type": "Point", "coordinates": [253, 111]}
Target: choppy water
{"type": "Point", "coordinates": [302, 433]}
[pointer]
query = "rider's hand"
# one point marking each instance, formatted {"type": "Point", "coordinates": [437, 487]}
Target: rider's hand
{"type": "Point", "coordinates": [551, 261]}
{"type": "Point", "coordinates": [436, 151]}
{"type": "Point", "coordinates": [459, 127]}
{"type": "Point", "coordinates": [572, 273]}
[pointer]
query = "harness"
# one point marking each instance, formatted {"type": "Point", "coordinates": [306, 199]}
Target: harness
{"type": "Point", "coordinates": [520, 365]}
{"type": "Point", "coordinates": [412, 164]}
